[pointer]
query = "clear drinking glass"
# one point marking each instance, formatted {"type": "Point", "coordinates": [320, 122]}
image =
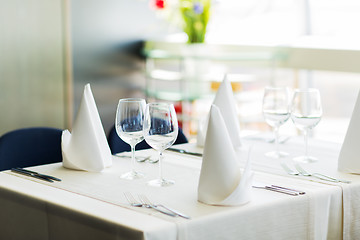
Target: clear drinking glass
{"type": "Point", "coordinates": [276, 112]}
{"type": "Point", "coordinates": [129, 126]}
{"type": "Point", "coordinates": [160, 132]}
{"type": "Point", "coordinates": [306, 112]}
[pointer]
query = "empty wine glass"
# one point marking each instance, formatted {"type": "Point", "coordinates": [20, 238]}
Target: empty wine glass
{"type": "Point", "coordinates": [129, 126]}
{"type": "Point", "coordinates": [276, 112]}
{"type": "Point", "coordinates": [306, 112]}
{"type": "Point", "coordinates": [160, 132]}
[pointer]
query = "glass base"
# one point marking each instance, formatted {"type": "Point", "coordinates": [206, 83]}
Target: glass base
{"type": "Point", "coordinates": [161, 183]}
{"type": "Point", "coordinates": [276, 154]}
{"type": "Point", "coordinates": [305, 159]}
{"type": "Point", "coordinates": [132, 175]}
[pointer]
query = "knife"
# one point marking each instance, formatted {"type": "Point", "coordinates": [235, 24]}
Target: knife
{"type": "Point", "coordinates": [279, 189]}
{"type": "Point", "coordinates": [31, 174]}
{"type": "Point", "coordinates": [39, 174]}
{"type": "Point", "coordinates": [185, 152]}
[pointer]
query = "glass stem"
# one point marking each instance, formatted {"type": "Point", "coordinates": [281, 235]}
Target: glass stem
{"type": "Point", "coordinates": [276, 131]}
{"type": "Point", "coordinates": [160, 165]}
{"type": "Point", "coordinates": [306, 143]}
{"type": "Point", "coordinates": [133, 157]}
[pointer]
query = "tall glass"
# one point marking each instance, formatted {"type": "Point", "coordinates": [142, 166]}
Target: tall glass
{"type": "Point", "coordinates": [160, 132]}
{"type": "Point", "coordinates": [129, 126]}
{"type": "Point", "coordinates": [276, 112]}
{"type": "Point", "coordinates": [306, 112]}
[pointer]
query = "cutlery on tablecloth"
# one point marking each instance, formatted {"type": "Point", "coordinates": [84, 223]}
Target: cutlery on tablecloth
{"type": "Point", "coordinates": [178, 150]}
{"type": "Point", "coordinates": [280, 189]}
{"type": "Point", "coordinates": [147, 201]}
{"type": "Point", "coordinates": [319, 175]}
{"type": "Point", "coordinates": [132, 201]}
{"type": "Point", "coordinates": [139, 158]}
{"type": "Point", "coordinates": [34, 174]}
{"type": "Point", "coordinates": [40, 174]}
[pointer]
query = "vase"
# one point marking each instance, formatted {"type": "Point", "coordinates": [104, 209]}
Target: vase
{"type": "Point", "coordinates": [195, 68]}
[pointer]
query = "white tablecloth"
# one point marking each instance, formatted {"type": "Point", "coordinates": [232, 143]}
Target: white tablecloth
{"type": "Point", "coordinates": [92, 205]}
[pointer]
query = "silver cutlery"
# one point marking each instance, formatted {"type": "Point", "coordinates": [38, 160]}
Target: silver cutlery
{"type": "Point", "coordinates": [288, 170]}
{"type": "Point", "coordinates": [30, 174]}
{"type": "Point", "coordinates": [39, 174]}
{"type": "Point", "coordinates": [280, 189]}
{"type": "Point", "coordinates": [132, 201]}
{"type": "Point", "coordinates": [139, 159]}
{"type": "Point", "coordinates": [178, 150]}
{"type": "Point", "coordinates": [319, 175]}
{"type": "Point", "coordinates": [147, 201]}
{"type": "Point", "coordinates": [148, 204]}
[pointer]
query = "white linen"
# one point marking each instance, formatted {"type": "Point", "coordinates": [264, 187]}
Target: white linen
{"type": "Point", "coordinates": [350, 151]}
{"type": "Point", "coordinates": [221, 181]}
{"type": "Point", "coordinates": [86, 148]}
{"type": "Point", "coordinates": [316, 215]}
{"type": "Point", "coordinates": [226, 102]}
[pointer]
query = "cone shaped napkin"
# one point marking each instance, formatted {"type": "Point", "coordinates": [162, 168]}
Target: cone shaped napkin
{"type": "Point", "coordinates": [225, 100]}
{"type": "Point", "coordinates": [349, 155]}
{"type": "Point", "coordinates": [86, 148]}
{"type": "Point", "coordinates": [221, 181]}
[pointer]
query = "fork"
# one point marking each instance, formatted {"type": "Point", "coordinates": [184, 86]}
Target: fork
{"type": "Point", "coordinates": [288, 170]}
{"type": "Point", "coordinates": [318, 175]}
{"type": "Point", "coordinates": [147, 201]}
{"type": "Point", "coordinates": [131, 200]}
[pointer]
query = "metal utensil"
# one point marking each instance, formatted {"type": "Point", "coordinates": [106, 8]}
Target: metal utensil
{"type": "Point", "coordinates": [146, 203]}
{"type": "Point", "coordinates": [163, 206]}
{"type": "Point", "coordinates": [185, 151]}
{"type": "Point", "coordinates": [319, 175]}
{"type": "Point", "coordinates": [31, 174]}
{"type": "Point", "coordinates": [288, 170]}
{"type": "Point", "coordinates": [139, 159]}
{"type": "Point", "coordinates": [40, 174]}
{"type": "Point", "coordinates": [280, 189]}
{"type": "Point", "coordinates": [132, 201]}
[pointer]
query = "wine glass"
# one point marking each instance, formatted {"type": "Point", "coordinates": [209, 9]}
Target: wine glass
{"type": "Point", "coordinates": [160, 132]}
{"type": "Point", "coordinates": [129, 126]}
{"type": "Point", "coordinates": [276, 112]}
{"type": "Point", "coordinates": [306, 112]}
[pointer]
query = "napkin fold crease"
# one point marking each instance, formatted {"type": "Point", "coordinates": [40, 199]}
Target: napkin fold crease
{"type": "Point", "coordinates": [225, 100]}
{"type": "Point", "coordinates": [86, 147]}
{"type": "Point", "coordinates": [349, 154]}
{"type": "Point", "coordinates": [221, 181]}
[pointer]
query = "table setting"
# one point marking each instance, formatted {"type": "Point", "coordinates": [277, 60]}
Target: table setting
{"type": "Point", "coordinates": [224, 186]}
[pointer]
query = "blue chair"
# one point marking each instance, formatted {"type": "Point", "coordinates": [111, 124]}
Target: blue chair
{"type": "Point", "coordinates": [117, 145]}
{"type": "Point", "coordinates": [30, 147]}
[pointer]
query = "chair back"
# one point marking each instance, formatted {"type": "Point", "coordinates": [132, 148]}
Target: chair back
{"type": "Point", "coordinates": [117, 145]}
{"type": "Point", "coordinates": [30, 147]}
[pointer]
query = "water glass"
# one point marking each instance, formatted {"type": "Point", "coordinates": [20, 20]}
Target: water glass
{"type": "Point", "coordinates": [129, 126]}
{"type": "Point", "coordinates": [160, 132]}
{"type": "Point", "coordinates": [276, 112]}
{"type": "Point", "coordinates": [306, 112]}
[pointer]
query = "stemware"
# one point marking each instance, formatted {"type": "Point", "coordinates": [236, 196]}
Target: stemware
{"type": "Point", "coordinates": [306, 112]}
{"type": "Point", "coordinates": [129, 126]}
{"type": "Point", "coordinates": [160, 132]}
{"type": "Point", "coordinates": [276, 112]}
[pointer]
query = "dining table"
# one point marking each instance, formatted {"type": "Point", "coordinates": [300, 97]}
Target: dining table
{"type": "Point", "coordinates": [93, 205]}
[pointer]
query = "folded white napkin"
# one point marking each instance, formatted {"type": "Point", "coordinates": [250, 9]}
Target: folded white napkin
{"type": "Point", "coordinates": [226, 102]}
{"type": "Point", "coordinates": [86, 148]}
{"type": "Point", "coordinates": [221, 181]}
{"type": "Point", "coordinates": [350, 151]}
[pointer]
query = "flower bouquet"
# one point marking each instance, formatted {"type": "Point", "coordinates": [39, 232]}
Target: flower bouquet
{"type": "Point", "coordinates": [193, 14]}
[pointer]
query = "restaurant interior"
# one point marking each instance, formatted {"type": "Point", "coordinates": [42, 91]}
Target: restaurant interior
{"type": "Point", "coordinates": [53, 53]}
